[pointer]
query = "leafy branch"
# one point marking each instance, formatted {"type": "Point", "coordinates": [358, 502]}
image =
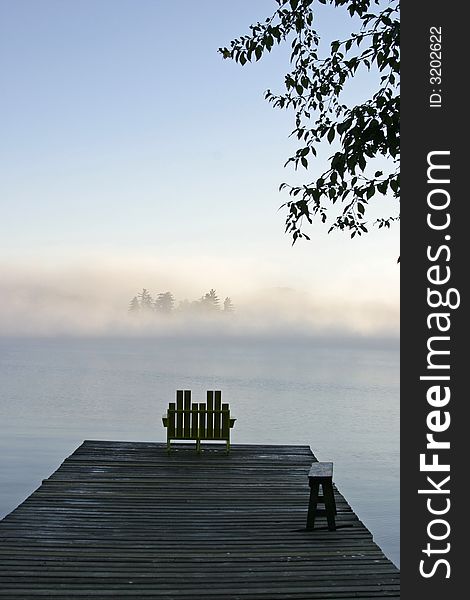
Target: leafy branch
{"type": "Point", "coordinates": [314, 89]}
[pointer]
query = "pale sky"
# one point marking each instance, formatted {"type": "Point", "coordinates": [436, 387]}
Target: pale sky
{"type": "Point", "coordinates": [132, 155]}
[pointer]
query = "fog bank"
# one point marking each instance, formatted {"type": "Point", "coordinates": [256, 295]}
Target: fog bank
{"type": "Point", "coordinates": [89, 301]}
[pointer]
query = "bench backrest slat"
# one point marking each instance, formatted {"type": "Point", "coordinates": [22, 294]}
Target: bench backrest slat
{"type": "Point", "coordinates": [194, 421]}
{"type": "Point", "coordinates": [187, 414]}
{"type": "Point", "coordinates": [217, 415]}
{"type": "Point", "coordinates": [202, 420]}
{"type": "Point", "coordinates": [210, 416]}
{"type": "Point", "coordinates": [179, 413]}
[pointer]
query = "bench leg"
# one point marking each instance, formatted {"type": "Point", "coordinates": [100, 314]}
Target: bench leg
{"type": "Point", "coordinates": [198, 446]}
{"type": "Point", "coordinates": [227, 447]}
{"type": "Point", "coordinates": [168, 445]}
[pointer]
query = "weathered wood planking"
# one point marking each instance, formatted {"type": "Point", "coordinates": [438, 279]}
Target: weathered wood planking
{"type": "Point", "coordinates": [122, 519]}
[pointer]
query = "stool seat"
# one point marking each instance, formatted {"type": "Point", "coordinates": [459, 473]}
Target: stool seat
{"type": "Point", "coordinates": [321, 474]}
{"type": "Point", "coordinates": [321, 469]}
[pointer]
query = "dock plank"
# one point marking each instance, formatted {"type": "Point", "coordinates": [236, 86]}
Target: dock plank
{"type": "Point", "coordinates": [126, 519]}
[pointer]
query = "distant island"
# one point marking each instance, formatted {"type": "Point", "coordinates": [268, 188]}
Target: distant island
{"type": "Point", "coordinates": [164, 303]}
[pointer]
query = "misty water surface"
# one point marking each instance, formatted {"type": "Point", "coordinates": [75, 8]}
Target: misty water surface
{"type": "Point", "coordinates": [341, 397]}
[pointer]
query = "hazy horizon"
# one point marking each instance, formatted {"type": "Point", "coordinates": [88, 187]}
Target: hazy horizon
{"type": "Point", "coordinates": [93, 299]}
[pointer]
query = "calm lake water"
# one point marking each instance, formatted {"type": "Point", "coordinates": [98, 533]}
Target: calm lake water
{"type": "Point", "coordinates": [339, 397]}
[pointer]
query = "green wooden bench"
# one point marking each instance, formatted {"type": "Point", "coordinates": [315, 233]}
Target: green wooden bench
{"type": "Point", "coordinates": [192, 421]}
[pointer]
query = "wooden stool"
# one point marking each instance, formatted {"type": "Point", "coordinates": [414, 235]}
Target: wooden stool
{"type": "Point", "coordinates": [321, 473]}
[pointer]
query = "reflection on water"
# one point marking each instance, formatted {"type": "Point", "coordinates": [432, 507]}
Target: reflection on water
{"type": "Point", "coordinates": [341, 398]}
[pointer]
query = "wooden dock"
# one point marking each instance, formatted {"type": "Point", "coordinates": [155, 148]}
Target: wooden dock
{"type": "Point", "coordinates": [125, 519]}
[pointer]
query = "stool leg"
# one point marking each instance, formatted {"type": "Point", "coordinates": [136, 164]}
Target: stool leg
{"type": "Point", "coordinates": [334, 501]}
{"type": "Point", "coordinates": [312, 504]}
{"type": "Point", "coordinates": [329, 504]}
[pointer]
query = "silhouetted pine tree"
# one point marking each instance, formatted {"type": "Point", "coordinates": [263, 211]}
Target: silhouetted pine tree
{"type": "Point", "coordinates": [165, 302]}
{"type": "Point", "coordinates": [211, 300]}
{"type": "Point", "coordinates": [134, 305]}
{"type": "Point", "coordinates": [228, 305]}
{"type": "Point", "coordinates": [146, 301]}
